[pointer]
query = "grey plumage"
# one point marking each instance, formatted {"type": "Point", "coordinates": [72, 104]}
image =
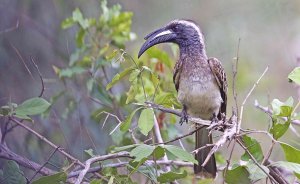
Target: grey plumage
{"type": "Point", "coordinates": [200, 82]}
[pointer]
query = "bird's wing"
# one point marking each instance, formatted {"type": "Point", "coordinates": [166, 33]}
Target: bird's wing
{"type": "Point", "coordinates": [220, 76]}
{"type": "Point", "coordinates": [176, 74]}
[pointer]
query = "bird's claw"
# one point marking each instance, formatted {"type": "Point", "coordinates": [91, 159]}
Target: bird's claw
{"type": "Point", "coordinates": [184, 116]}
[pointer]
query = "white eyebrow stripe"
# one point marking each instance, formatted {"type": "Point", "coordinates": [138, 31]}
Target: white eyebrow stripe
{"type": "Point", "coordinates": [163, 33]}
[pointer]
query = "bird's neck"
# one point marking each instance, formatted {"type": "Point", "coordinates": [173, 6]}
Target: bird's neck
{"type": "Point", "coordinates": [194, 51]}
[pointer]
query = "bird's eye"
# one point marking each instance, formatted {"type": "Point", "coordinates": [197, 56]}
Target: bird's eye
{"type": "Point", "coordinates": [175, 28]}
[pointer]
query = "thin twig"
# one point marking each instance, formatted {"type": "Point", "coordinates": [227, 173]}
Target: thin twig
{"type": "Point", "coordinates": [234, 71]}
{"type": "Point", "coordinates": [254, 160]}
{"type": "Point", "coordinates": [51, 155]}
{"type": "Point", "coordinates": [48, 142]}
{"type": "Point", "coordinates": [40, 75]}
{"type": "Point", "coordinates": [270, 112]}
{"type": "Point", "coordinates": [11, 28]}
{"type": "Point", "coordinates": [22, 60]}
{"type": "Point", "coordinates": [160, 140]}
{"type": "Point", "coordinates": [245, 100]}
{"type": "Point", "coordinates": [183, 136]}
{"type": "Point", "coordinates": [124, 164]}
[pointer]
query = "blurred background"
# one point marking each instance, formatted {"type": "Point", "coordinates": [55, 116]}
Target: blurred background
{"type": "Point", "coordinates": [270, 36]}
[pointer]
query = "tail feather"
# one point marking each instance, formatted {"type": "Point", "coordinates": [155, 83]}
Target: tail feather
{"type": "Point", "coordinates": [210, 169]}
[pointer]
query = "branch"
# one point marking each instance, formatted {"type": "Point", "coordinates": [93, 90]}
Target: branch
{"type": "Point", "coordinates": [123, 164]}
{"type": "Point", "coordinates": [96, 159]}
{"type": "Point", "coordinates": [160, 140]}
{"type": "Point", "coordinates": [11, 28]}
{"type": "Point", "coordinates": [254, 160]}
{"type": "Point", "coordinates": [270, 112]}
{"type": "Point", "coordinates": [48, 142]}
{"type": "Point", "coordinates": [177, 113]}
{"type": "Point", "coordinates": [183, 136]}
{"type": "Point", "coordinates": [245, 100]}
{"type": "Point", "coordinates": [6, 153]}
{"type": "Point", "coordinates": [40, 75]}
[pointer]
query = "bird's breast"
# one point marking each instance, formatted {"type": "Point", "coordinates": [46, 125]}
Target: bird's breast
{"type": "Point", "coordinates": [200, 94]}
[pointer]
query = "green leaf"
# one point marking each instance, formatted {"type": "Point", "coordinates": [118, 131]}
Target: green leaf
{"type": "Point", "coordinates": [292, 154]}
{"type": "Point", "coordinates": [90, 152]}
{"type": "Point", "coordinates": [5, 110]}
{"type": "Point", "coordinates": [220, 158]}
{"type": "Point", "coordinates": [254, 148]}
{"type": "Point", "coordinates": [206, 181]}
{"type": "Point", "coordinates": [133, 91]}
{"type": "Point", "coordinates": [12, 173]}
{"type": "Point", "coordinates": [127, 122]}
{"type": "Point", "coordinates": [78, 17]}
{"type": "Point", "coordinates": [294, 167]}
{"type": "Point", "coordinates": [180, 153]}
{"type": "Point", "coordinates": [158, 152]}
{"type": "Point", "coordinates": [162, 56]}
{"type": "Point", "coordinates": [166, 99]}
{"type": "Point", "coordinates": [112, 55]}
{"type": "Point", "coordinates": [255, 172]}
{"type": "Point", "coordinates": [238, 175]}
{"type": "Point", "coordinates": [80, 37]}
{"type": "Point", "coordinates": [68, 22]}
{"type": "Point", "coordinates": [295, 75]}
{"type": "Point", "coordinates": [118, 77]}
{"type": "Point", "coordinates": [32, 106]}
{"type": "Point", "coordinates": [134, 75]}
{"type": "Point", "coordinates": [57, 178]}
{"type": "Point", "coordinates": [142, 151]}
{"type": "Point", "coordinates": [171, 176]}
{"type": "Point", "coordinates": [22, 116]}
{"type": "Point", "coordinates": [111, 180]}
{"type": "Point", "coordinates": [278, 129]}
{"type": "Point", "coordinates": [282, 109]}
{"type": "Point", "coordinates": [69, 72]}
{"type": "Point", "coordinates": [118, 149]}
{"type": "Point", "coordinates": [146, 121]}
{"type": "Point", "coordinates": [154, 79]}
{"type": "Point", "coordinates": [96, 181]}
{"type": "Point", "coordinates": [134, 166]}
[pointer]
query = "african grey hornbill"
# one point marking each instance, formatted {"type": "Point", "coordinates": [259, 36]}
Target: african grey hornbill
{"type": "Point", "coordinates": [199, 80]}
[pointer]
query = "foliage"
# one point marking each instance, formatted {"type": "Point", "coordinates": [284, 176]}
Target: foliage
{"type": "Point", "coordinates": [11, 173]}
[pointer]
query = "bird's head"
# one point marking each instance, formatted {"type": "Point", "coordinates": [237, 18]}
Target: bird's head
{"type": "Point", "coordinates": [185, 33]}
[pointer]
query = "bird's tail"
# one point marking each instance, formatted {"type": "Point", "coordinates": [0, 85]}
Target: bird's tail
{"type": "Point", "coordinates": [210, 169]}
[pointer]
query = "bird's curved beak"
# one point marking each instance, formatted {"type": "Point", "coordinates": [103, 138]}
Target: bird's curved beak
{"type": "Point", "coordinates": [159, 36]}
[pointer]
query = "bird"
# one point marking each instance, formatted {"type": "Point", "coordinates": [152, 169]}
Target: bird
{"type": "Point", "coordinates": [200, 83]}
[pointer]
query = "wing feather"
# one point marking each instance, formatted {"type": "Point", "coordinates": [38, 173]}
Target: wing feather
{"type": "Point", "coordinates": [177, 73]}
{"type": "Point", "coordinates": [220, 76]}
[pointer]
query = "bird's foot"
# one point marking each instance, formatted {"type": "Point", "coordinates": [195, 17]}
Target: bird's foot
{"type": "Point", "coordinates": [214, 123]}
{"type": "Point", "coordinates": [184, 116]}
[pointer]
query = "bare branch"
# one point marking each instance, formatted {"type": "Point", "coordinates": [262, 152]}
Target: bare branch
{"type": "Point", "coordinates": [51, 155]}
{"type": "Point", "coordinates": [40, 75]}
{"type": "Point", "coordinates": [11, 28]}
{"type": "Point", "coordinates": [270, 112]}
{"type": "Point", "coordinates": [245, 100]}
{"type": "Point", "coordinates": [88, 163]}
{"type": "Point", "coordinates": [160, 140]}
{"type": "Point", "coordinates": [48, 142]}
{"type": "Point", "coordinates": [234, 71]}
{"type": "Point", "coordinates": [254, 160]}
{"type": "Point", "coordinates": [6, 153]}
